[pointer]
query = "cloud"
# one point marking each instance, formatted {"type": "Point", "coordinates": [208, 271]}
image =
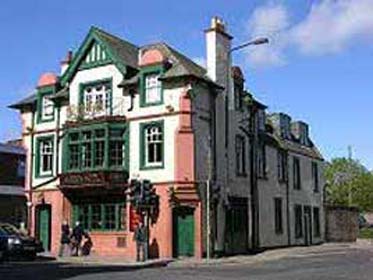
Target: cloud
{"type": "Point", "coordinates": [330, 26]}
{"type": "Point", "coordinates": [270, 21]}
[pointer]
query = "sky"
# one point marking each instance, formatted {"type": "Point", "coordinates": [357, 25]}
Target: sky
{"type": "Point", "coordinates": [318, 66]}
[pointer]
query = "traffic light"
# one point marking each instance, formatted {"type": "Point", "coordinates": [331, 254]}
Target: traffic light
{"type": "Point", "coordinates": [135, 193]}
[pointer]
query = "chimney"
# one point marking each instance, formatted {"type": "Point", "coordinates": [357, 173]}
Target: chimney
{"type": "Point", "coordinates": [218, 44]}
{"type": "Point", "coordinates": [300, 131]}
{"type": "Point", "coordinates": [282, 124]}
{"type": "Point", "coordinates": [66, 62]}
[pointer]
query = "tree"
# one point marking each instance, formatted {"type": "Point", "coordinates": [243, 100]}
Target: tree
{"type": "Point", "coordinates": [349, 183]}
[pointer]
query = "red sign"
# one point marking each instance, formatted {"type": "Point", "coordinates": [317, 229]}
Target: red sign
{"type": "Point", "coordinates": [135, 218]}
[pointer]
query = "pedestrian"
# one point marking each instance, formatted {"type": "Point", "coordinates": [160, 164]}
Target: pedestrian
{"type": "Point", "coordinates": [140, 238]}
{"type": "Point", "coordinates": [65, 238]}
{"type": "Point", "coordinates": [87, 245]}
{"type": "Point", "coordinates": [77, 236]}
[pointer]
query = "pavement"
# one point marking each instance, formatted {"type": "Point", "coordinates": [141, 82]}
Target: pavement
{"type": "Point", "coordinates": [324, 262]}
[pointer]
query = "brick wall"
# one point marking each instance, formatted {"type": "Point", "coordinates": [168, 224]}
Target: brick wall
{"type": "Point", "coordinates": [341, 223]}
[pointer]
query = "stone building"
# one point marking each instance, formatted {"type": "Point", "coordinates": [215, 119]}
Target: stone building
{"type": "Point", "coordinates": [119, 111]}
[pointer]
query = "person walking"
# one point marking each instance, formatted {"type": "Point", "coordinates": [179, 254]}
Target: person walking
{"type": "Point", "coordinates": [77, 236]}
{"type": "Point", "coordinates": [140, 238]}
{"type": "Point", "coordinates": [65, 238]}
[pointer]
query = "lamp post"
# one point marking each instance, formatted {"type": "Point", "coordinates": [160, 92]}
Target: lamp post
{"type": "Point", "coordinates": [251, 126]}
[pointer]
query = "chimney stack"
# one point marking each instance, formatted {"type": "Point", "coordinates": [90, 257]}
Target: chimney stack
{"type": "Point", "coordinates": [66, 62]}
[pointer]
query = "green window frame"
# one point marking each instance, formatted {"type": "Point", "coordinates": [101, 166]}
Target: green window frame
{"type": "Point", "coordinates": [146, 72]}
{"type": "Point", "coordinates": [96, 56]}
{"type": "Point", "coordinates": [45, 157]}
{"type": "Point", "coordinates": [152, 154]}
{"type": "Point", "coordinates": [88, 104]}
{"type": "Point", "coordinates": [101, 216]}
{"type": "Point", "coordinates": [97, 147]}
{"type": "Point", "coordinates": [42, 94]}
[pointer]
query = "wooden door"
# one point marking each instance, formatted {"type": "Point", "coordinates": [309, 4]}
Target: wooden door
{"type": "Point", "coordinates": [183, 231]}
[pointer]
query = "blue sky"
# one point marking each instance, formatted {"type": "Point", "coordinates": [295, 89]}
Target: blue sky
{"type": "Point", "coordinates": [317, 68]}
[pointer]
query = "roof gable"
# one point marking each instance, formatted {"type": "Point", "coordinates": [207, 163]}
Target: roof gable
{"type": "Point", "coordinates": [100, 48]}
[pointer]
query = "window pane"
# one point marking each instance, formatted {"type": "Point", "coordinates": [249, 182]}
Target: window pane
{"type": "Point", "coordinates": [116, 153]}
{"type": "Point", "coordinates": [110, 216]}
{"type": "Point", "coordinates": [99, 153]}
{"type": "Point", "coordinates": [96, 219]}
{"type": "Point", "coordinates": [153, 145]}
{"type": "Point", "coordinates": [152, 88]}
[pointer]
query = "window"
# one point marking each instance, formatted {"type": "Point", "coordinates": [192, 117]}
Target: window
{"type": "Point", "coordinates": [96, 98]}
{"type": "Point", "coordinates": [315, 177]}
{"type": "Point", "coordinates": [262, 160]}
{"type": "Point", "coordinates": [103, 216]}
{"type": "Point", "coordinates": [153, 90]}
{"type": "Point", "coordinates": [116, 147]}
{"type": "Point", "coordinates": [278, 216]}
{"type": "Point", "coordinates": [45, 156]}
{"type": "Point", "coordinates": [21, 168]}
{"type": "Point", "coordinates": [261, 120]}
{"type": "Point", "coordinates": [86, 148]}
{"type": "Point", "coordinates": [238, 95]}
{"type": "Point", "coordinates": [296, 173]}
{"type": "Point", "coordinates": [240, 155]}
{"type": "Point", "coordinates": [152, 145]}
{"type": "Point", "coordinates": [47, 108]}
{"type": "Point", "coordinates": [316, 222]}
{"type": "Point", "coordinates": [298, 221]}
{"type": "Point", "coordinates": [282, 166]}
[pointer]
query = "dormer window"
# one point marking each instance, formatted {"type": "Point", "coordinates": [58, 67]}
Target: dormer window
{"type": "Point", "coordinates": [47, 108]}
{"type": "Point", "coordinates": [152, 89]}
{"type": "Point", "coordinates": [96, 98]}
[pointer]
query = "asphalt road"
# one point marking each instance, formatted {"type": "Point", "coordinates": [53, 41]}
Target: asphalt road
{"type": "Point", "coordinates": [346, 264]}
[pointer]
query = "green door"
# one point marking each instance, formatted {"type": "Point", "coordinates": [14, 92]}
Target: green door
{"type": "Point", "coordinates": [183, 231]}
{"type": "Point", "coordinates": [45, 226]}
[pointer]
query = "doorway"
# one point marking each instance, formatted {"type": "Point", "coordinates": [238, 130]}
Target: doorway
{"type": "Point", "coordinates": [307, 226]}
{"type": "Point", "coordinates": [183, 232]}
{"type": "Point", "coordinates": [44, 225]}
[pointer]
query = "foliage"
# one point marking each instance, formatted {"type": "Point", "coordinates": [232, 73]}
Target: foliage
{"type": "Point", "coordinates": [366, 233]}
{"type": "Point", "coordinates": [349, 183]}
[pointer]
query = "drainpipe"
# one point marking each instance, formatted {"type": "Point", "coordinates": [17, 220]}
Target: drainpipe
{"type": "Point", "coordinates": [287, 202]}
{"type": "Point", "coordinates": [29, 202]}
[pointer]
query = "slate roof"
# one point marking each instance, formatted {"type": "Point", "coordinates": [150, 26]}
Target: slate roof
{"type": "Point", "coordinates": [181, 66]}
{"type": "Point", "coordinates": [28, 101]}
{"type": "Point", "coordinates": [11, 149]}
{"type": "Point", "coordinates": [61, 94]}
{"type": "Point", "coordinates": [124, 50]}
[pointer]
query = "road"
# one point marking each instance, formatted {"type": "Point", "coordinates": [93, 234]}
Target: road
{"type": "Point", "coordinates": [345, 263]}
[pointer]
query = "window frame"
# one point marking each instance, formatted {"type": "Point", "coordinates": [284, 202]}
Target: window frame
{"type": "Point", "coordinates": [279, 219]}
{"type": "Point", "coordinates": [297, 184]}
{"type": "Point", "coordinates": [143, 153]}
{"type": "Point", "coordinates": [42, 93]}
{"type": "Point", "coordinates": [105, 138]}
{"type": "Point", "coordinates": [282, 166]}
{"type": "Point", "coordinates": [240, 151]}
{"type": "Point", "coordinates": [315, 176]}
{"type": "Point", "coordinates": [121, 216]}
{"type": "Point", "coordinates": [38, 159]}
{"type": "Point", "coordinates": [316, 222]}
{"type": "Point", "coordinates": [262, 163]}
{"type": "Point", "coordinates": [150, 70]}
{"type": "Point", "coordinates": [298, 224]}
{"type": "Point", "coordinates": [108, 102]}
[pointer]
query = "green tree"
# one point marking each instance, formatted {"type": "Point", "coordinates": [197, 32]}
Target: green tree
{"type": "Point", "coordinates": [349, 183]}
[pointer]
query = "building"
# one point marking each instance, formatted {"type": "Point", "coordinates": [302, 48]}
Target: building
{"type": "Point", "coordinates": [119, 111]}
{"type": "Point", "coordinates": [12, 178]}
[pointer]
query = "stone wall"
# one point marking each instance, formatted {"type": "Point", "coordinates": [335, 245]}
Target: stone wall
{"type": "Point", "coordinates": [341, 223]}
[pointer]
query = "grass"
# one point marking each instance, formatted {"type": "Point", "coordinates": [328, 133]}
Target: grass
{"type": "Point", "coordinates": [366, 233]}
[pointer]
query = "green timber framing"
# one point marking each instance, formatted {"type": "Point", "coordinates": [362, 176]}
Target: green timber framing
{"type": "Point", "coordinates": [119, 220]}
{"type": "Point", "coordinates": [41, 93]}
{"type": "Point", "coordinates": [38, 141]}
{"type": "Point", "coordinates": [106, 126]}
{"type": "Point", "coordinates": [143, 126]}
{"type": "Point", "coordinates": [82, 86]}
{"type": "Point", "coordinates": [97, 57]}
{"type": "Point", "coordinates": [92, 37]}
{"type": "Point", "coordinates": [153, 69]}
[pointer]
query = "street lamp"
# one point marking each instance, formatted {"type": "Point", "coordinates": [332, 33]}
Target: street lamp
{"type": "Point", "coordinates": [254, 191]}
